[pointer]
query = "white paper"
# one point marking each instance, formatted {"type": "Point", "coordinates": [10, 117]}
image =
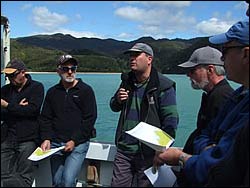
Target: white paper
{"type": "Point", "coordinates": [164, 176]}
{"type": "Point", "coordinates": [39, 154]}
{"type": "Point", "coordinates": [152, 136]}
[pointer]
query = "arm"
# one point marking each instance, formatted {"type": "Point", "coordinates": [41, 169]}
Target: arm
{"type": "Point", "coordinates": [168, 111]}
{"type": "Point", "coordinates": [30, 107]}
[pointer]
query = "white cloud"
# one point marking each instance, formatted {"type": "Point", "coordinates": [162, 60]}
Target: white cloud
{"type": "Point", "coordinates": [76, 34]}
{"type": "Point", "coordinates": [213, 26]}
{"type": "Point", "coordinates": [125, 36]}
{"type": "Point", "coordinates": [26, 6]}
{"type": "Point", "coordinates": [177, 4]}
{"type": "Point", "coordinates": [157, 21]}
{"type": "Point", "coordinates": [48, 21]}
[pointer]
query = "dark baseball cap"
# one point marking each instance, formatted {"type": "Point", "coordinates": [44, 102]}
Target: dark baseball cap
{"type": "Point", "coordinates": [203, 56]}
{"type": "Point", "coordinates": [66, 58]}
{"type": "Point", "coordinates": [13, 66]}
{"type": "Point", "coordinates": [140, 47]}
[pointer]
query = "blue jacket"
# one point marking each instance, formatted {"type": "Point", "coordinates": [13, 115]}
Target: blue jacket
{"type": "Point", "coordinates": [221, 131]}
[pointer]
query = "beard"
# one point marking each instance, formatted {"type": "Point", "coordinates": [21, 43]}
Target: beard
{"type": "Point", "coordinates": [68, 79]}
{"type": "Point", "coordinates": [199, 85]}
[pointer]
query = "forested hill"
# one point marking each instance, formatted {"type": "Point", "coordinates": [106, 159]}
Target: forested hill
{"type": "Point", "coordinates": [40, 52]}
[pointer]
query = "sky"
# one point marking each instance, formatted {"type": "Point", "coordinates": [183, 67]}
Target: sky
{"type": "Point", "coordinates": [123, 20]}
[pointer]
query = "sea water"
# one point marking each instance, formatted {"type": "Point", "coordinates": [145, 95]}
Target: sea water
{"type": "Point", "coordinates": [105, 85]}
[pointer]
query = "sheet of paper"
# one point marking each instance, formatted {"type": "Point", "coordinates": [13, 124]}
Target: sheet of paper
{"type": "Point", "coordinates": [164, 176]}
{"type": "Point", "coordinates": [152, 136]}
{"type": "Point", "coordinates": [39, 154]}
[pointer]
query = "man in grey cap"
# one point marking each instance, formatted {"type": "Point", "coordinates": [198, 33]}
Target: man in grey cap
{"type": "Point", "coordinates": [21, 100]}
{"type": "Point", "coordinates": [215, 142]}
{"type": "Point", "coordinates": [67, 119]}
{"type": "Point", "coordinates": [206, 72]}
{"type": "Point", "coordinates": [144, 95]}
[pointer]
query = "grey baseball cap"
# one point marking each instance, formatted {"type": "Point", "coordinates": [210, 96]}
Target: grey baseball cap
{"type": "Point", "coordinates": [203, 56]}
{"type": "Point", "coordinates": [140, 47]}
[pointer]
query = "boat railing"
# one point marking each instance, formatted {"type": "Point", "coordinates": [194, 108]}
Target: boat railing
{"type": "Point", "coordinates": [98, 162]}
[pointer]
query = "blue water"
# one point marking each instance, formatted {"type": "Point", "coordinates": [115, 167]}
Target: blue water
{"type": "Point", "coordinates": [105, 85]}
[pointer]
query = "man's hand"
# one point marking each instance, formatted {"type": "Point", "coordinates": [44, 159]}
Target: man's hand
{"type": "Point", "coordinates": [4, 103]}
{"type": "Point", "coordinates": [69, 146]}
{"type": "Point", "coordinates": [23, 102]}
{"type": "Point", "coordinates": [122, 95]}
{"type": "Point", "coordinates": [45, 145]}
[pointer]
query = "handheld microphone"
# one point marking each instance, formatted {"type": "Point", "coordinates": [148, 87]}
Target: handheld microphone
{"type": "Point", "coordinates": [124, 78]}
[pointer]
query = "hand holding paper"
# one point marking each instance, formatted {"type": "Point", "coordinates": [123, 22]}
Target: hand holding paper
{"type": "Point", "coordinates": [39, 154]}
{"type": "Point", "coordinates": [152, 136]}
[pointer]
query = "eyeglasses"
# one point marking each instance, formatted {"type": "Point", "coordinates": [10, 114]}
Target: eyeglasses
{"type": "Point", "coordinates": [66, 69]}
{"type": "Point", "coordinates": [224, 49]}
{"type": "Point", "coordinates": [12, 75]}
{"type": "Point", "coordinates": [193, 69]}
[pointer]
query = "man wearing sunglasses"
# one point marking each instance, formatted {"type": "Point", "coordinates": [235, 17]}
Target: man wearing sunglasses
{"type": "Point", "coordinates": [67, 119]}
{"type": "Point", "coordinates": [21, 101]}
{"type": "Point", "coordinates": [234, 169]}
{"type": "Point", "coordinates": [216, 140]}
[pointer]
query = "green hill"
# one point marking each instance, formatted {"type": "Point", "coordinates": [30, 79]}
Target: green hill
{"type": "Point", "coordinates": [40, 52]}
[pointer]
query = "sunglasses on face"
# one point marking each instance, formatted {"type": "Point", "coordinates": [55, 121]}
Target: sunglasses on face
{"type": "Point", "coordinates": [224, 49]}
{"type": "Point", "coordinates": [12, 75]}
{"type": "Point", "coordinates": [66, 69]}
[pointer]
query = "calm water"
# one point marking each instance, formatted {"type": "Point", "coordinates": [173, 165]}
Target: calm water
{"type": "Point", "coordinates": [105, 85]}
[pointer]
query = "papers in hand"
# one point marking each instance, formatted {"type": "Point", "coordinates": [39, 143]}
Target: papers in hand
{"type": "Point", "coordinates": [39, 154]}
{"type": "Point", "coordinates": [163, 177]}
{"type": "Point", "coordinates": [152, 136]}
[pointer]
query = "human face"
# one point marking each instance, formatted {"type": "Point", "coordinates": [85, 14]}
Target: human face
{"type": "Point", "coordinates": [198, 77]}
{"type": "Point", "coordinates": [67, 72]}
{"type": "Point", "coordinates": [140, 61]}
{"type": "Point", "coordinates": [16, 78]}
{"type": "Point", "coordinates": [232, 55]}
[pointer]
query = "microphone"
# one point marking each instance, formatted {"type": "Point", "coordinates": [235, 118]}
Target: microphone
{"type": "Point", "coordinates": [124, 78]}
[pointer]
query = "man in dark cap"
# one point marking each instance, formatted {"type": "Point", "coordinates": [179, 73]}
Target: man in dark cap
{"type": "Point", "coordinates": [67, 119]}
{"type": "Point", "coordinates": [21, 101]}
{"type": "Point", "coordinates": [143, 96]}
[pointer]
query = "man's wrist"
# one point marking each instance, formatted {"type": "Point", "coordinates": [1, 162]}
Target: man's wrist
{"type": "Point", "coordinates": [182, 159]}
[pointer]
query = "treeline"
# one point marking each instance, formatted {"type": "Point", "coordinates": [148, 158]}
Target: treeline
{"type": "Point", "coordinates": [40, 55]}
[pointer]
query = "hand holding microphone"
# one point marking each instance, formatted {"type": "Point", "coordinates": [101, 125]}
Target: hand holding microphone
{"type": "Point", "coordinates": [122, 94]}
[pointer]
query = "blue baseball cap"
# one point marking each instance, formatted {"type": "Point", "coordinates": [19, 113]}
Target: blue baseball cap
{"type": "Point", "coordinates": [239, 31]}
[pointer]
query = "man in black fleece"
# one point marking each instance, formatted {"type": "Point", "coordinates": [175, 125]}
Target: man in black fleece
{"type": "Point", "coordinates": [67, 119]}
{"type": "Point", "coordinates": [21, 101]}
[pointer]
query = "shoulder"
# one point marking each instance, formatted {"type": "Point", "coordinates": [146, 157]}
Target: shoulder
{"type": "Point", "coordinates": [165, 82]}
{"type": "Point", "coordinates": [83, 85]}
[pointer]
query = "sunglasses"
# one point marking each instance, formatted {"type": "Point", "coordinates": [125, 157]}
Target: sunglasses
{"type": "Point", "coordinates": [224, 49]}
{"type": "Point", "coordinates": [66, 69]}
{"type": "Point", "coordinates": [12, 75]}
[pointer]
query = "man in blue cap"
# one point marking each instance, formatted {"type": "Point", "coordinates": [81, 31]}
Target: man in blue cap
{"type": "Point", "coordinates": [215, 142]}
{"type": "Point", "coordinates": [234, 169]}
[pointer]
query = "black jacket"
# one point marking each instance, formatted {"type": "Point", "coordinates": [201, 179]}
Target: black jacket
{"type": "Point", "coordinates": [21, 121]}
{"type": "Point", "coordinates": [68, 115]}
